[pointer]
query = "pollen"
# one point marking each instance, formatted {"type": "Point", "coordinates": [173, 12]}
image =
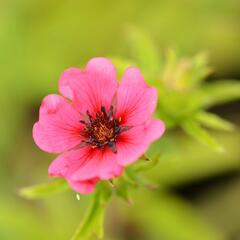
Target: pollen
{"type": "Point", "coordinates": [102, 129]}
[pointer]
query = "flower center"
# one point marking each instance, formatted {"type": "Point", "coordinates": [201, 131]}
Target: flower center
{"type": "Point", "coordinates": [102, 130]}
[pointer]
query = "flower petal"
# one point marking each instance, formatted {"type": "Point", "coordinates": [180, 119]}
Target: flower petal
{"type": "Point", "coordinates": [101, 163]}
{"type": "Point", "coordinates": [58, 128]}
{"type": "Point", "coordinates": [86, 163]}
{"type": "Point", "coordinates": [153, 130]}
{"type": "Point", "coordinates": [69, 162]}
{"type": "Point", "coordinates": [64, 82]}
{"type": "Point", "coordinates": [108, 166]}
{"type": "Point", "coordinates": [92, 88]}
{"type": "Point", "coordinates": [134, 143]}
{"type": "Point", "coordinates": [84, 187]}
{"type": "Point", "coordinates": [130, 145]}
{"type": "Point", "coordinates": [135, 100]}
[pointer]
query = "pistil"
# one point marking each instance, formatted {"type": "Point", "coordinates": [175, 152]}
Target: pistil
{"type": "Point", "coordinates": [102, 130]}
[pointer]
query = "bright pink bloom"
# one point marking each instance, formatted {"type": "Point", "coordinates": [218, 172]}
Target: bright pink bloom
{"type": "Point", "coordinates": [98, 126]}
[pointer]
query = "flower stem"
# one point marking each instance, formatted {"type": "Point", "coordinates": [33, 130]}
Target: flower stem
{"type": "Point", "coordinates": [93, 221]}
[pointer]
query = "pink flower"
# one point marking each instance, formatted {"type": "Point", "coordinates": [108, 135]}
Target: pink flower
{"type": "Point", "coordinates": [98, 126]}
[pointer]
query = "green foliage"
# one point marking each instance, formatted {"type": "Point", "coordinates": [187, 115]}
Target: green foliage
{"type": "Point", "coordinates": [183, 93]}
{"type": "Point", "coordinates": [192, 128]}
{"type": "Point", "coordinates": [145, 163]}
{"type": "Point", "coordinates": [133, 177]}
{"type": "Point", "coordinates": [186, 73]}
{"type": "Point", "coordinates": [184, 161]}
{"type": "Point", "coordinates": [93, 222]}
{"type": "Point", "coordinates": [213, 121]}
{"type": "Point", "coordinates": [45, 189]}
{"type": "Point", "coordinates": [219, 92]}
{"type": "Point", "coordinates": [123, 189]}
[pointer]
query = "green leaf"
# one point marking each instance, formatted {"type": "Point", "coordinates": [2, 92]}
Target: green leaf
{"type": "Point", "coordinates": [145, 164]}
{"type": "Point", "coordinates": [200, 69]}
{"type": "Point", "coordinates": [44, 189]}
{"type": "Point", "coordinates": [134, 179]}
{"type": "Point", "coordinates": [214, 121]}
{"type": "Point", "coordinates": [219, 92]}
{"type": "Point", "coordinates": [93, 222]}
{"type": "Point", "coordinates": [130, 176]}
{"type": "Point", "coordinates": [184, 74]}
{"type": "Point", "coordinates": [143, 50]}
{"type": "Point", "coordinates": [122, 190]}
{"type": "Point", "coordinates": [169, 67]}
{"type": "Point", "coordinates": [193, 128]}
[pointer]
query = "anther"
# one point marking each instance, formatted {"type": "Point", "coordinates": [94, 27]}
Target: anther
{"type": "Point", "coordinates": [89, 116]}
{"type": "Point", "coordinates": [102, 129]}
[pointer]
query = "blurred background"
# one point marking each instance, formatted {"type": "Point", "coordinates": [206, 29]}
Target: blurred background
{"type": "Point", "coordinates": [199, 197]}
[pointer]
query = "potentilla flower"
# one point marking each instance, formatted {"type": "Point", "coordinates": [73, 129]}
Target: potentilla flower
{"type": "Point", "coordinates": [98, 125]}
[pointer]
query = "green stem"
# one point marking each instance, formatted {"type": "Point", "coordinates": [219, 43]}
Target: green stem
{"type": "Point", "coordinates": [93, 222]}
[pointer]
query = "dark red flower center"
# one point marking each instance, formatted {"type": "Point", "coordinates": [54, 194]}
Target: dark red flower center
{"type": "Point", "coordinates": [102, 129]}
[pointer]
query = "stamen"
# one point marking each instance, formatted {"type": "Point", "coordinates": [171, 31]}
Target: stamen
{"type": "Point", "coordinates": [82, 121]}
{"type": "Point", "coordinates": [112, 146]}
{"type": "Point", "coordinates": [83, 144]}
{"type": "Point", "coordinates": [102, 130]}
{"type": "Point", "coordinates": [124, 128]}
{"type": "Point", "coordinates": [110, 114]}
{"type": "Point", "coordinates": [90, 117]}
{"type": "Point", "coordinates": [103, 110]}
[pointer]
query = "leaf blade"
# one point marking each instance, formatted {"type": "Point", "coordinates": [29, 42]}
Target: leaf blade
{"type": "Point", "coordinates": [213, 121]}
{"type": "Point", "coordinates": [192, 128]}
{"type": "Point", "coordinates": [219, 92]}
{"type": "Point", "coordinates": [44, 189]}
